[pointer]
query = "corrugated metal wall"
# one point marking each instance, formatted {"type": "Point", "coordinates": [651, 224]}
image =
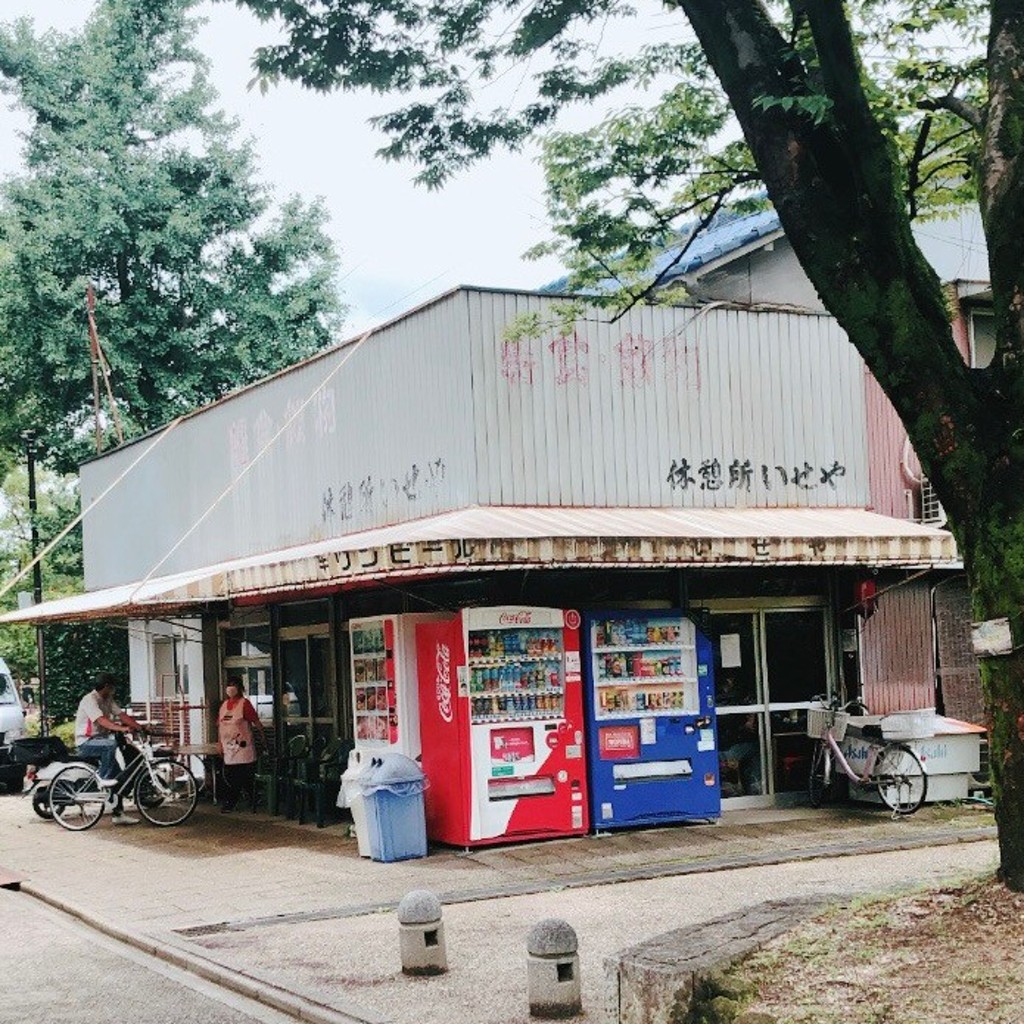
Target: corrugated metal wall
{"type": "Point", "coordinates": [385, 440]}
{"type": "Point", "coordinates": [897, 655]}
{"type": "Point", "coordinates": [441, 409]}
{"type": "Point", "coordinates": [666, 407]}
{"type": "Point", "coordinates": [892, 486]}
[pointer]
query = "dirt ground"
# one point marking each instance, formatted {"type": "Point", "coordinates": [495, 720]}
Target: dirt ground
{"type": "Point", "coordinates": [949, 956]}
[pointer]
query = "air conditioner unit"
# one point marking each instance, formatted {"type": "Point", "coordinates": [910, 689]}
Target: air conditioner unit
{"type": "Point", "coordinates": [932, 511]}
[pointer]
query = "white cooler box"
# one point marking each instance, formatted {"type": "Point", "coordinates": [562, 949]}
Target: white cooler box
{"type": "Point", "coordinates": [949, 749]}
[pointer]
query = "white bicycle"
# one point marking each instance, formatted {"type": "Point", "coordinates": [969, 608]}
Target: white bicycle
{"type": "Point", "coordinates": [163, 789]}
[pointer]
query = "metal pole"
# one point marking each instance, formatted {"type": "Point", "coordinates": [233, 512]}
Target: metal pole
{"type": "Point", "coordinates": [37, 578]}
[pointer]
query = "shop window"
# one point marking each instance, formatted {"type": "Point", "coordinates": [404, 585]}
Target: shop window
{"type": "Point", "coordinates": [247, 642]}
{"type": "Point", "coordinates": [306, 613]}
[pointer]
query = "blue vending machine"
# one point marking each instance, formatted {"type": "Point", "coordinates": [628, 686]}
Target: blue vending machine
{"type": "Point", "coordinates": [651, 736]}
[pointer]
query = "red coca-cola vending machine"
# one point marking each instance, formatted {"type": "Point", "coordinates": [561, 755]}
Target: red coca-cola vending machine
{"type": "Point", "coordinates": [502, 725]}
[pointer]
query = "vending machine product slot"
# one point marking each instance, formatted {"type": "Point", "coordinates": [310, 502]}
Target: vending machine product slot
{"type": "Point", "coordinates": [653, 771]}
{"type": "Point", "coordinates": [513, 789]}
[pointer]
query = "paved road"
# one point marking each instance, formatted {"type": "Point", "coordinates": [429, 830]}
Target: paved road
{"type": "Point", "coordinates": [55, 971]}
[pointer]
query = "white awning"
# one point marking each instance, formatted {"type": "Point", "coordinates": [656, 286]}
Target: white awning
{"type": "Point", "coordinates": [129, 600]}
{"type": "Point", "coordinates": [494, 538]}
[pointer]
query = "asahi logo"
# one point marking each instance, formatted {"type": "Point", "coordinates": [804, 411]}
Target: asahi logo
{"type": "Point", "coordinates": [443, 663]}
{"type": "Point", "coordinates": [515, 619]}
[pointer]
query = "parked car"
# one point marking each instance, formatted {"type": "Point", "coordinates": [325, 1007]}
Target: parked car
{"type": "Point", "coordinates": [12, 727]}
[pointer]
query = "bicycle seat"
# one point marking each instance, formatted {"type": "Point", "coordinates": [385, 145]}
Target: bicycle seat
{"type": "Point", "coordinates": [871, 731]}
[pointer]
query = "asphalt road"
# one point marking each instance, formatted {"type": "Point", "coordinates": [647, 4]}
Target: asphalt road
{"type": "Point", "coordinates": [56, 971]}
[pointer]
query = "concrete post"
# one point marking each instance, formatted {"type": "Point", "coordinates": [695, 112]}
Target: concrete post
{"type": "Point", "coordinates": [553, 970]}
{"type": "Point", "coordinates": [421, 934]}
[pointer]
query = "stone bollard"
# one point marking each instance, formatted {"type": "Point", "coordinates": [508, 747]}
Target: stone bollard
{"type": "Point", "coordinates": [553, 970]}
{"type": "Point", "coordinates": [421, 934]}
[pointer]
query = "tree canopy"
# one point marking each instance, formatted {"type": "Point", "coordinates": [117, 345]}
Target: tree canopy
{"type": "Point", "coordinates": [855, 117]}
{"type": "Point", "coordinates": [134, 183]}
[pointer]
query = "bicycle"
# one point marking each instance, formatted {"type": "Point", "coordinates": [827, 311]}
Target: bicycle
{"type": "Point", "coordinates": [164, 790]}
{"type": "Point", "coordinates": [891, 767]}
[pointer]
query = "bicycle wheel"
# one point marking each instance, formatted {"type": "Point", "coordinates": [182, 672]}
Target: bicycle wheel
{"type": "Point", "coordinates": [41, 802]}
{"type": "Point", "coordinates": [900, 777]}
{"type": "Point", "coordinates": [76, 800]}
{"type": "Point", "coordinates": [166, 792]}
{"type": "Point", "coordinates": [820, 781]}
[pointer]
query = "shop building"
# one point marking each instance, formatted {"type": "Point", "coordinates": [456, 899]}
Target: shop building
{"type": "Point", "coordinates": [733, 459]}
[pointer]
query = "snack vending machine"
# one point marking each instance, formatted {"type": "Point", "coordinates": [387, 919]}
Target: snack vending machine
{"type": "Point", "coordinates": [651, 732]}
{"type": "Point", "coordinates": [385, 694]}
{"type": "Point", "coordinates": [501, 720]}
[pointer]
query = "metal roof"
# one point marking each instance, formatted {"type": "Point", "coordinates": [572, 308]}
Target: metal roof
{"type": "Point", "coordinates": [494, 538]}
{"type": "Point", "coordinates": [726, 235]}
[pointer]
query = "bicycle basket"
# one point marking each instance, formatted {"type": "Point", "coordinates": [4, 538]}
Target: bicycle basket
{"type": "Point", "coordinates": [821, 719]}
{"type": "Point", "coordinates": [818, 721]}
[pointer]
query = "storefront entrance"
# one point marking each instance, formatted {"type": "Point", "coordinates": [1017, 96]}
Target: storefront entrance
{"type": "Point", "coordinates": [770, 661]}
{"type": "Point", "coordinates": [307, 679]}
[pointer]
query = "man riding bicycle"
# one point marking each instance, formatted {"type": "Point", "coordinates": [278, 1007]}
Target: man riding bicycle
{"type": "Point", "coordinates": [98, 721]}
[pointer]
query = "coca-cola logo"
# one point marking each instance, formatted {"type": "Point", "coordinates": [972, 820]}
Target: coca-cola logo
{"type": "Point", "coordinates": [443, 686]}
{"type": "Point", "coordinates": [515, 619]}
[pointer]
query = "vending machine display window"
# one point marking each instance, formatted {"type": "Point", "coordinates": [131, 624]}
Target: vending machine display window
{"type": "Point", "coordinates": [374, 693]}
{"type": "Point", "coordinates": [515, 674]}
{"type": "Point", "coordinates": [643, 666]}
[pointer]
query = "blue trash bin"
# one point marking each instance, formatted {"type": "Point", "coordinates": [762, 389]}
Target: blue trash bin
{"type": "Point", "coordinates": [392, 789]}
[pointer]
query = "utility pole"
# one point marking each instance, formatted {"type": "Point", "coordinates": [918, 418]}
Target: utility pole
{"type": "Point", "coordinates": [37, 576]}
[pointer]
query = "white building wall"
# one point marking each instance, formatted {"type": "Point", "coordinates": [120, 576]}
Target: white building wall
{"type": "Point", "coordinates": [169, 644]}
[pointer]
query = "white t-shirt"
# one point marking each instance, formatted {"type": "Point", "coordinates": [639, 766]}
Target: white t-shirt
{"type": "Point", "coordinates": [90, 708]}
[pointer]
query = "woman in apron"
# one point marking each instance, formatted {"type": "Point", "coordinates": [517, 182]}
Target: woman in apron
{"type": "Point", "coordinates": [237, 726]}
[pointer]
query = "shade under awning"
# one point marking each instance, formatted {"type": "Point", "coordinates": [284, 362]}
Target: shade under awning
{"type": "Point", "coordinates": [481, 538]}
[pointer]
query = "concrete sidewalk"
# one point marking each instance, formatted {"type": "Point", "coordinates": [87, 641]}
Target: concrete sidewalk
{"type": "Point", "coordinates": [231, 868]}
{"type": "Point", "coordinates": [237, 892]}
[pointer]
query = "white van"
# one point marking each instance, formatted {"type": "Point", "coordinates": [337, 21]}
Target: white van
{"type": "Point", "coordinates": [12, 727]}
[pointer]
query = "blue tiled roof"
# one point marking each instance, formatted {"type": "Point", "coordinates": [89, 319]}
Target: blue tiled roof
{"type": "Point", "coordinates": [726, 233]}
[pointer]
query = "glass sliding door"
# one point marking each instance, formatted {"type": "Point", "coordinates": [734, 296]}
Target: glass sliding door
{"type": "Point", "coordinates": [796, 668]}
{"type": "Point", "coordinates": [770, 662]}
{"type": "Point", "coordinates": [740, 700]}
{"type": "Point", "coordinates": [307, 682]}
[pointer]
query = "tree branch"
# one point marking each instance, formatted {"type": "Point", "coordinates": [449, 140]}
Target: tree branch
{"type": "Point", "coordinates": [837, 187]}
{"type": "Point", "coordinates": [676, 260]}
{"type": "Point", "coordinates": [913, 180]}
{"type": "Point", "coordinates": [955, 105]}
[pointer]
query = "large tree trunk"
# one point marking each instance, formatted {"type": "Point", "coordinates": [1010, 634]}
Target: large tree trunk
{"type": "Point", "coordinates": [837, 186]}
{"type": "Point", "coordinates": [995, 562]}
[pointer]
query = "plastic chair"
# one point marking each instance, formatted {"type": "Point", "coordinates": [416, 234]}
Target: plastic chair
{"type": "Point", "coordinates": [319, 774]}
{"type": "Point", "coordinates": [264, 784]}
{"type": "Point", "coordinates": [297, 753]}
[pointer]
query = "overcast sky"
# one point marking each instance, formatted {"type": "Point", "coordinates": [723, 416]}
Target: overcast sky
{"type": "Point", "coordinates": [399, 243]}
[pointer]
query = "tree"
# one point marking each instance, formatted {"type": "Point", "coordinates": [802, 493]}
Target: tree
{"type": "Point", "coordinates": [135, 184]}
{"type": "Point", "coordinates": [855, 116]}
{"type": "Point", "coordinates": [74, 653]}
